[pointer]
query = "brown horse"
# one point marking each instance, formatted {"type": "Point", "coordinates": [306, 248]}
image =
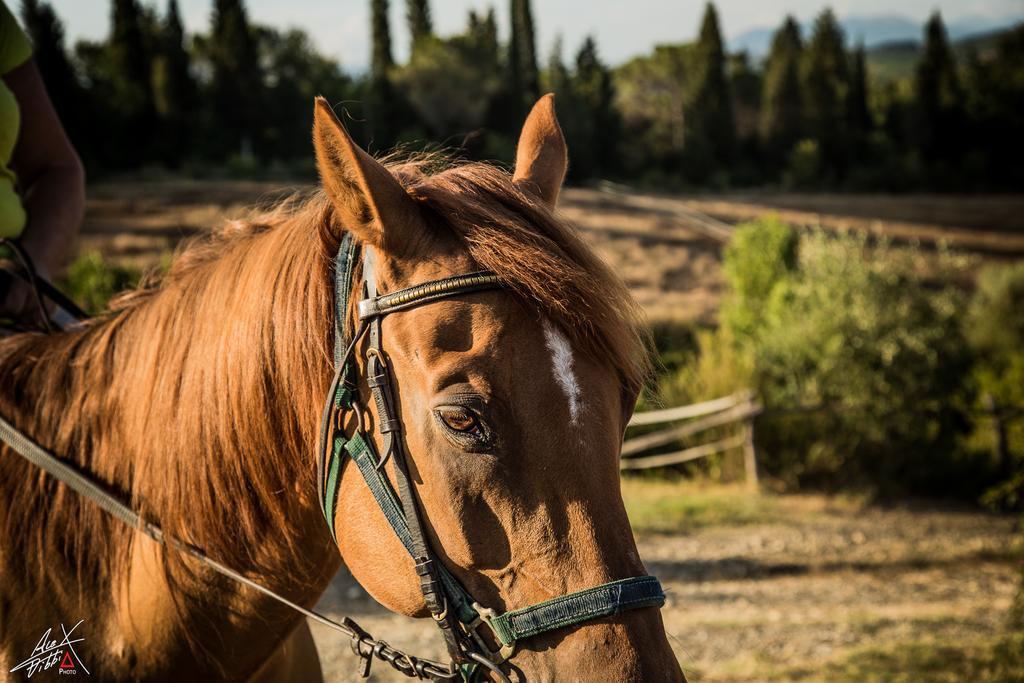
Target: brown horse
{"type": "Point", "coordinates": [197, 399]}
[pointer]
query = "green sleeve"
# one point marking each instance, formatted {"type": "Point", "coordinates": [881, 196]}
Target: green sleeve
{"type": "Point", "coordinates": [15, 48]}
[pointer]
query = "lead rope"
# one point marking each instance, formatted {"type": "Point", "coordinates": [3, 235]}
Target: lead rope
{"type": "Point", "coordinates": [67, 311]}
{"type": "Point", "coordinates": [362, 643]}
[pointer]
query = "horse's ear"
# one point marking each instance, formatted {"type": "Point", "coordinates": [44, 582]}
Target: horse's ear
{"type": "Point", "coordinates": [541, 155]}
{"type": "Point", "coordinates": [365, 194]}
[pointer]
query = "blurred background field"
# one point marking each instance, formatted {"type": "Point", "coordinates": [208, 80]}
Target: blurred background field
{"type": "Point", "coordinates": [872, 552]}
{"type": "Point", "coordinates": [672, 264]}
{"type": "Point", "coordinates": [827, 213]}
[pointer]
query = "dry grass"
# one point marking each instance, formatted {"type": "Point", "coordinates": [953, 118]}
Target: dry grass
{"type": "Point", "coordinates": [672, 266]}
{"type": "Point", "coordinates": [681, 506]}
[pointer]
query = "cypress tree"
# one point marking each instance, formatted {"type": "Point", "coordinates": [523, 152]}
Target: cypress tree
{"type": "Point", "coordinates": [515, 81]}
{"type": "Point", "coordinates": [825, 84]}
{"type": "Point", "coordinates": [128, 45]}
{"type": "Point", "coordinates": [420, 25]}
{"type": "Point", "coordinates": [595, 93]}
{"type": "Point", "coordinates": [938, 94]}
{"type": "Point", "coordinates": [175, 89]}
{"type": "Point", "coordinates": [384, 117]}
{"type": "Point", "coordinates": [486, 53]}
{"type": "Point", "coordinates": [237, 85]}
{"type": "Point", "coordinates": [522, 56]}
{"type": "Point", "coordinates": [711, 134]}
{"type": "Point", "coordinates": [894, 114]}
{"type": "Point", "coordinates": [130, 59]}
{"type": "Point", "coordinates": [483, 32]}
{"type": "Point", "coordinates": [47, 34]}
{"type": "Point", "coordinates": [381, 60]}
{"type": "Point", "coordinates": [782, 103]}
{"type": "Point", "coordinates": [558, 79]}
{"type": "Point", "coordinates": [1005, 107]}
{"type": "Point", "coordinates": [858, 116]}
{"type": "Point", "coordinates": [131, 105]}
{"type": "Point", "coordinates": [746, 84]}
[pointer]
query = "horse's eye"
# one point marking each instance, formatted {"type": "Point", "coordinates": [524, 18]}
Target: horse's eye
{"type": "Point", "coordinates": [459, 419]}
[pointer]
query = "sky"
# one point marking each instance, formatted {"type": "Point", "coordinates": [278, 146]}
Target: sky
{"type": "Point", "coordinates": [623, 28]}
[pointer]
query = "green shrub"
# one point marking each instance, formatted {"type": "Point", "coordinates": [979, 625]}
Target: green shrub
{"type": "Point", "coordinates": [717, 367]}
{"type": "Point", "coordinates": [856, 334]}
{"type": "Point", "coordinates": [91, 281]}
{"type": "Point", "coordinates": [862, 366]}
{"type": "Point", "coordinates": [994, 327]}
{"type": "Point", "coordinates": [759, 257]}
{"type": "Point", "coordinates": [447, 85]}
{"type": "Point", "coordinates": [804, 168]}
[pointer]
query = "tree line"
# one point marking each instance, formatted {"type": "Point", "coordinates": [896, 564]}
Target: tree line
{"type": "Point", "coordinates": [686, 115]}
{"type": "Point", "coordinates": [150, 95]}
{"type": "Point", "coordinates": [813, 116]}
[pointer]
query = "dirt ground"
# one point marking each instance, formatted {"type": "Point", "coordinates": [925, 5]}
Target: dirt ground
{"type": "Point", "coordinates": [793, 595]}
{"type": "Point", "coordinates": [668, 249]}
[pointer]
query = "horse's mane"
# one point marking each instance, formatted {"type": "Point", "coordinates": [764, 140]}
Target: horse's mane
{"type": "Point", "coordinates": [167, 396]}
{"type": "Point", "coordinates": [170, 398]}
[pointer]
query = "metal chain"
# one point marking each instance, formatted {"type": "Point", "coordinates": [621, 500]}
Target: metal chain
{"type": "Point", "coordinates": [366, 648]}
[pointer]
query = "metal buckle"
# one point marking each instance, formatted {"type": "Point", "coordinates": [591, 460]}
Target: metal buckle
{"type": "Point", "coordinates": [483, 618]}
{"type": "Point", "coordinates": [443, 614]}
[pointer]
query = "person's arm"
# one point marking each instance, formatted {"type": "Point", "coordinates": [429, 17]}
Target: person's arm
{"type": "Point", "coordinates": [50, 174]}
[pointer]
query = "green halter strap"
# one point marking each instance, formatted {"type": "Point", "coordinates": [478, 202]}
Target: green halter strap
{"type": "Point", "coordinates": [474, 651]}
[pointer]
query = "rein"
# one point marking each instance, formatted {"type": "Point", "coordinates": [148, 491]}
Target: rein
{"type": "Point", "coordinates": [478, 639]}
{"type": "Point", "coordinates": [66, 312]}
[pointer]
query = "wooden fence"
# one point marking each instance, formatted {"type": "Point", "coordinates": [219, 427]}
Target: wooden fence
{"type": "Point", "coordinates": [683, 422]}
{"type": "Point", "coordinates": [740, 409]}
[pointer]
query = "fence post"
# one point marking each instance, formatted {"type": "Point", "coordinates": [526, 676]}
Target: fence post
{"type": "Point", "coordinates": [750, 450]}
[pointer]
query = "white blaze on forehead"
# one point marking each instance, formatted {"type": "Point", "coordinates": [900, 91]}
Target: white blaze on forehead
{"type": "Point", "coordinates": [562, 361]}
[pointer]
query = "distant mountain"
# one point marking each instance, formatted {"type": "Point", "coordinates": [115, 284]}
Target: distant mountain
{"type": "Point", "coordinates": [896, 60]}
{"type": "Point", "coordinates": [975, 25]}
{"type": "Point", "coordinates": [756, 42]}
{"type": "Point", "coordinates": [876, 30]}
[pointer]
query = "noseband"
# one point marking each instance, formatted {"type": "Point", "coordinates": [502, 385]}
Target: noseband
{"type": "Point", "coordinates": [478, 639]}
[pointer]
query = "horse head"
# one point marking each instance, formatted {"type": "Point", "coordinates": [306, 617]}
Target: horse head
{"type": "Point", "coordinates": [512, 401]}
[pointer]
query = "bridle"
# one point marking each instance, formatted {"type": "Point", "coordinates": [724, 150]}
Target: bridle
{"type": "Point", "coordinates": [467, 627]}
{"type": "Point", "coordinates": [478, 640]}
